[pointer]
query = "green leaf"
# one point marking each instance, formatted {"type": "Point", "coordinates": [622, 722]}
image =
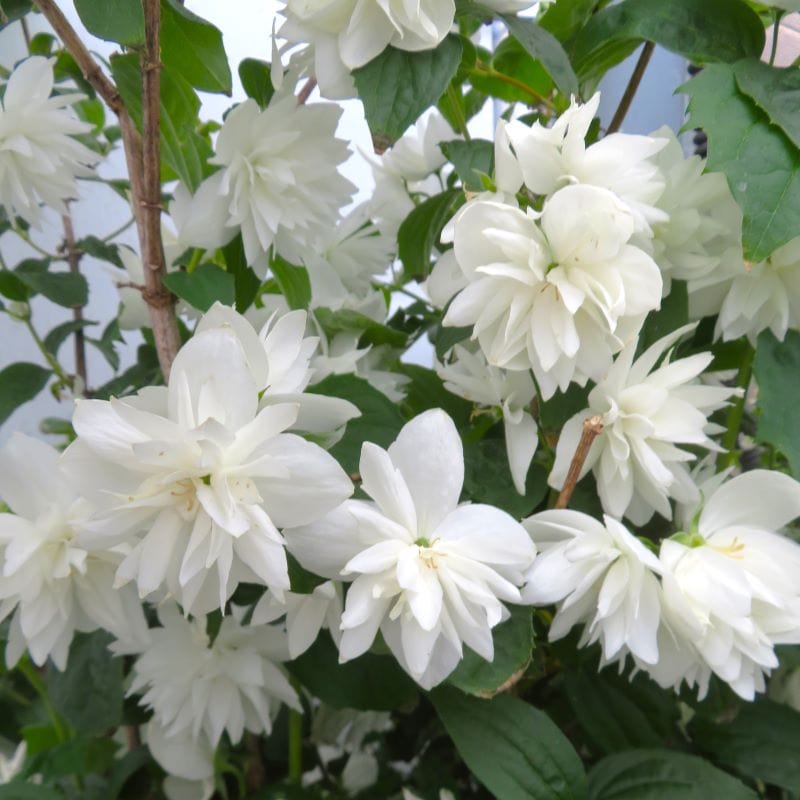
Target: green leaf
{"type": "Point", "coordinates": [426, 390]}
{"type": "Point", "coordinates": [256, 81]}
{"type": "Point", "coordinates": [64, 288]}
{"type": "Point", "coordinates": [119, 21]}
{"type": "Point", "coordinates": [776, 91]}
{"type": "Point", "coordinates": [12, 288]}
{"type": "Point", "coordinates": [445, 337]}
{"type": "Point", "coordinates": [80, 756]}
{"type": "Point", "coordinates": [105, 251]}
{"type": "Point", "coordinates": [674, 313]}
{"type": "Point", "coordinates": [380, 419]}
{"type": "Point", "coordinates": [420, 231]}
{"type": "Point", "coordinates": [761, 742]}
{"type": "Point", "coordinates": [662, 775]}
{"type": "Point", "coordinates": [90, 665]}
{"type": "Point", "coordinates": [58, 335]}
{"type": "Point", "coordinates": [398, 85]}
{"type": "Point", "coordinates": [777, 373]}
{"type": "Point", "coordinates": [192, 47]}
{"type": "Point", "coordinates": [28, 791]}
{"type": "Point", "coordinates": [761, 164]}
{"type": "Point", "coordinates": [372, 332]}
{"type": "Point", "coordinates": [701, 30]}
{"type": "Point", "coordinates": [470, 160]}
{"type": "Point", "coordinates": [202, 287]}
{"type": "Point", "coordinates": [293, 282]}
{"type": "Point", "coordinates": [512, 748]}
{"type": "Point", "coordinates": [513, 650]}
{"type": "Point", "coordinates": [565, 18]}
{"type": "Point", "coordinates": [300, 579]}
{"type": "Point", "coordinates": [106, 343]}
{"type": "Point", "coordinates": [368, 683]}
{"type": "Point", "coordinates": [19, 383]}
{"type": "Point", "coordinates": [544, 47]}
{"type": "Point", "coordinates": [245, 280]}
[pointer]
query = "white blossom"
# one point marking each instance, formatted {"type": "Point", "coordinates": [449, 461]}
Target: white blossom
{"type": "Point", "coordinates": [646, 412]}
{"type": "Point", "coordinates": [51, 578]}
{"type": "Point", "coordinates": [561, 298]}
{"type": "Point", "coordinates": [198, 479]}
{"type": "Point", "coordinates": [730, 590]}
{"type": "Point", "coordinates": [432, 575]}
{"type": "Point", "coordinates": [600, 576]}
{"type": "Point", "coordinates": [39, 158]}
{"type": "Point", "coordinates": [469, 376]}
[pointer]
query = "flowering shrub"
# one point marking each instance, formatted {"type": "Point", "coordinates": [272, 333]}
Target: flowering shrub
{"type": "Point", "coordinates": [277, 558]}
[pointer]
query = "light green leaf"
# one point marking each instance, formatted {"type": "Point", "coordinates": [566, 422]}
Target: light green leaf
{"type": "Point", "coordinates": [761, 164]}
{"type": "Point", "coordinates": [119, 21]}
{"type": "Point", "coordinates": [469, 160]}
{"type": "Point", "coordinates": [777, 373]}
{"type": "Point", "coordinates": [192, 47]}
{"type": "Point", "coordinates": [293, 282]}
{"type": "Point", "coordinates": [203, 287]}
{"type": "Point", "coordinates": [544, 47]}
{"type": "Point", "coordinates": [256, 81]}
{"type": "Point", "coordinates": [662, 775]}
{"type": "Point", "coordinates": [512, 748]}
{"type": "Point", "coordinates": [19, 383]}
{"type": "Point", "coordinates": [398, 85]}
{"type": "Point", "coordinates": [513, 650]}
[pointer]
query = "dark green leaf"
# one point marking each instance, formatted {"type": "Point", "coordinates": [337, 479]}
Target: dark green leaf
{"type": "Point", "coordinates": [90, 665]}
{"type": "Point", "coordinates": [662, 775]}
{"type": "Point", "coordinates": [380, 419]}
{"type": "Point", "coordinates": [777, 373]}
{"type": "Point", "coordinates": [42, 44]}
{"type": "Point", "coordinates": [292, 281]}
{"type": "Point", "coordinates": [398, 85]}
{"type": "Point", "coordinates": [761, 742]}
{"type": "Point", "coordinates": [58, 335]}
{"type": "Point", "coordinates": [125, 767]}
{"type": "Point", "coordinates": [105, 251]}
{"type": "Point", "coordinates": [426, 390]}
{"type": "Point", "coordinates": [514, 749]}
{"type": "Point", "coordinates": [701, 30]}
{"type": "Point", "coordinates": [64, 288]}
{"type": "Point", "coordinates": [513, 650]}
{"type": "Point", "coordinates": [761, 164]}
{"type": "Point", "coordinates": [246, 281]}
{"type": "Point", "coordinates": [776, 91]}
{"type": "Point", "coordinates": [79, 756]}
{"type": "Point", "coordinates": [256, 81]}
{"type": "Point", "coordinates": [674, 313]}
{"type": "Point", "coordinates": [368, 683]}
{"type": "Point", "coordinates": [564, 18]}
{"type": "Point", "coordinates": [106, 344]}
{"type": "Point", "coordinates": [301, 580]}
{"type": "Point", "coordinates": [470, 160]}
{"type": "Point", "coordinates": [39, 738]}
{"type": "Point", "coordinates": [12, 288]}
{"type": "Point", "coordinates": [119, 21]}
{"type": "Point", "coordinates": [420, 231]}
{"type": "Point", "coordinates": [445, 337]}
{"type": "Point", "coordinates": [192, 47]}
{"type": "Point", "coordinates": [19, 383]}
{"type": "Point", "coordinates": [203, 287]}
{"type": "Point", "coordinates": [543, 46]}
{"type": "Point", "coordinates": [371, 332]}
{"type": "Point", "coordinates": [28, 791]}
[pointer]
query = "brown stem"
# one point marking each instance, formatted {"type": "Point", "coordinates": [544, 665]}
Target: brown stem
{"type": "Point", "coordinates": [132, 737]}
{"type": "Point", "coordinates": [630, 89]}
{"type": "Point", "coordinates": [592, 428]}
{"type": "Point", "coordinates": [159, 299]}
{"type": "Point", "coordinates": [74, 261]}
{"type": "Point", "coordinates": [305, 92]}
{"type": "Point", "coordinates": [255, 774]}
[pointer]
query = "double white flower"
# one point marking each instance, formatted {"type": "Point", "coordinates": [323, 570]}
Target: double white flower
{"type": "Point", "coordinates": [432, 575]}
{"type": "Point", "coordinates": [646, 411]}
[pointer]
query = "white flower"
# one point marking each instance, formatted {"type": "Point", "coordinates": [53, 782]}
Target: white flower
{"type": "Point", "coordinates": [55, 581]}
{"type": "Point", "coordinates": [730, 590]}
{"type": "Point", "coordinates": [561, 299]}
{"type": "Point", "coordinates": [39, 158]}
{"type": "Point", "coordinates": [469, 376]}
{"type": "Point", "coordinates": [11, 766]}
{"type": "Point", "coordinates": [197, 689]}
{"type": "Point", "coordinates": [198, 479]}
{"type": "Point", "coordinates": [430, 574]}
{"type": "Point", "coordinates": [279, 181]}
{"type": "Point", "coordinates": [545, 159]}
{"type": "Point", "coordinates": [645, 412]}
{"type": "Point", "coordinates": [601, 576]}
{"type": "Point", "coordinates": [446, 280]}
{"type": "Point", "coordinates": [306, 615]}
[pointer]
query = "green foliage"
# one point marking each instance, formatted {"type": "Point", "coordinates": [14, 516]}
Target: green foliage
{"type": "Point", "coordinates": [59, 334]}
{"type": "Point", "coordinates": [256, 81]}
{"type": "Point", "coordinates": [515, 750]}
{"type": "Point", "coordinates": [64, 288]}
{"type": "Point", "coordinates": [203, 287]}
{"type": "Point", "coordinates": [470, 160]}
{"type": "Point", "coordinates": [292, 281]}
{"type": "Point", "coordinates": [119, 21]}
{"type": "Point", "coordinates": [662, 775]}
{"type": "Point", "coordinates": [246, 282]}
{"type": "Point", "coordinates": [397, 86]}
{"type": "Point", "coordinates": [19, 383]}
{"type": "Point", "coordinates": [760, 162]}
{"type": "Point", "coordinates": [673, 314]}
{"type": "Point", "coordinates": [371, 332]}
{"type": "Point", "coordinates": [426, 391]}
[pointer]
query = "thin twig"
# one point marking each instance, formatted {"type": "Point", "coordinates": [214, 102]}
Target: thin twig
{"type": "Point", "coordinates": [305, 92]}
{"type": "Point", "coordinates": [592, 428]}
{"type": "Point", "coordinates": [630, 89]}
{"type": "Point", "coordinates": [74, 261]}
{"type": "Point", "coordinates": [776, 29]}
{"type": "Point", "coordinates": [132, 737]}
{"type": "Point", "coordinates": [25, 32]}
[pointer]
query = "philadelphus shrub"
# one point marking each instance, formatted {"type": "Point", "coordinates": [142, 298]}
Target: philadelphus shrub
{"type": "Point", "coordinates": [477, 478]}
